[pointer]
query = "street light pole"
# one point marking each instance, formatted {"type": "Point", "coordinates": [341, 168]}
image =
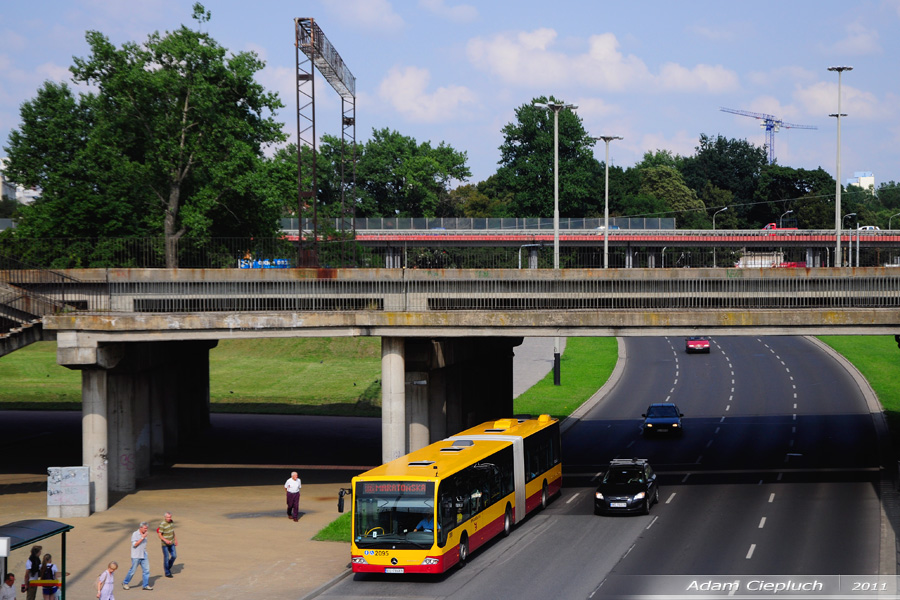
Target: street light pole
{"type": "Point", "coordinates": [555, 107]}
{"type": "Point", "coordinates": [849, 242]}
{"type": "Point", "coordinates": [838, 225]}
{"type": "Point", "coordinates": [607, 139]}
{"type": "Point", "coordinates": [889, 220]}
{"type": "Point", "coordinates": [714, 228]}
{"type": "Point", "coordinates": [783, 216]}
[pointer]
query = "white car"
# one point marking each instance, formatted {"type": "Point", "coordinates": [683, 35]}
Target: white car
{"type": "Point", "coordinates": [869, 228]}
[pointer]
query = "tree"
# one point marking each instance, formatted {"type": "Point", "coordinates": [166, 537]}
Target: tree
{"type": "Point", "coordinates": [398, 176]}
{"type": "Point", "coordinates": [87, 189]}
{"type": "Point", "coordinates": [805, 192]}
{"type": "Point", "coordinates": [666, 183]}
{"type": "Point", "coordinates": [526, 163]}
{"type": "Point", "coordinates": [729, 164]}
{"type": "Point", "coordinates": [189, 123]}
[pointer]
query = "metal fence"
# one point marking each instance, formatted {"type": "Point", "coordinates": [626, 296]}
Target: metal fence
{"type": "Point", "coordinates": [511, 291]}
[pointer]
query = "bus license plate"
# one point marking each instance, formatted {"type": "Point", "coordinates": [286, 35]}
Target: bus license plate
{"type": "Point", "coordinates": [393, 570]}
{"type": "Point", "coordinates": [617, 505]}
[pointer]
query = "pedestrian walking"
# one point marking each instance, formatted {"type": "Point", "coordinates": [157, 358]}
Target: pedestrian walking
{"type": "Point", "coordinates": [32, 572]}
{"type": "Point", "coordinates": [292, 487]}
{"type": "Point", "coordinates": [106, 582]}
{"type": "Point", "coordinates": [166, 533]}
{"type": "Point", "coordinates": [139, 557]}
{"type": "Point", "coordinates": [8, 588]}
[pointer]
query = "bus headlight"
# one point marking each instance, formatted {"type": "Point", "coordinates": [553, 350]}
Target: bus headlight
{"type": "Point", "coordinates": [358, 560]}
{"type": "Point", "coordinates": [431, 561]}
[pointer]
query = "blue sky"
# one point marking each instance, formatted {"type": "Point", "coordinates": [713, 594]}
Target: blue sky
{"type": "Point", "coordinates": [653, 72]}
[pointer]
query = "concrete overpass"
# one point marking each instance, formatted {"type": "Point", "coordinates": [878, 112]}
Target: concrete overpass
{"type": "Point", "coordinates": [142, 336]}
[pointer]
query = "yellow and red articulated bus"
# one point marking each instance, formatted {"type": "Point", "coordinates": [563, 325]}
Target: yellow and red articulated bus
{"type": "Point", "coordinates": [426, 511]}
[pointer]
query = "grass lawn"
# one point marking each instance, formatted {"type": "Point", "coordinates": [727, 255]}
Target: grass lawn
{"type": "Point", "coordinates": [878, 359]}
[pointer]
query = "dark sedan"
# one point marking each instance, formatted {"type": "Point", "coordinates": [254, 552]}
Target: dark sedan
{"type": "Point", "coordinates": [628, 486]}
{"type": "Point", "coordinates": [662, 417]}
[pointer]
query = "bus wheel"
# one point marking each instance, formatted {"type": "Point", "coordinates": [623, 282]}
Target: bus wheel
{"type": "Point", "coordinates": [545, 497]}
{"type": "Point", "coordinates": [507, 522]}
{"type": "Point", "coordinates": [463, 551]}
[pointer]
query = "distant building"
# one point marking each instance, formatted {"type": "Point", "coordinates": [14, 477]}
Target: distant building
{"type": "Point", "coordinates": [17, 192]}
{"type": "Point", "coordinates": [863, 179]}
{"type": "Point", "coordinates": [7, 188]}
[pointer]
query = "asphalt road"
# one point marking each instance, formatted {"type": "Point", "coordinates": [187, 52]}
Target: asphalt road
{"type": "Point", "coordinates": [776, 474]}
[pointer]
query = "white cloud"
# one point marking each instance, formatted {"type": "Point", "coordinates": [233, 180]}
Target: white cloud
{"type": "Point", "coordinates": [376, 16]}
{"type": "Point", "coordinates": [709, 78]}
{"type": "Point", "coordinates": [528, 59]}
{"type": "Point", "coordinates": [406, 90]}
{"type": "Point", "coordinates": [461, 13]}
{"type": "Point", "coordinates": [820, 99]}
{"type": "Point", "coordinates": [860, 40]}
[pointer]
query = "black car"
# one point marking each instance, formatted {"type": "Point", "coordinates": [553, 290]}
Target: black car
{"type": "Point", "coordinates": [662, 417]}
{"type": "Point", "coordinates": [629, 485]}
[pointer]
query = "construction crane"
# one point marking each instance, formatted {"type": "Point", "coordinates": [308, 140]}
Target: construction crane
{"type": "Point", "coordinates": [771, 124]}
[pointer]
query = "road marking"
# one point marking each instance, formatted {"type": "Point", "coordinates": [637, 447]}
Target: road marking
{"type": "Point", "coordinates": [772, 497]}
{"type": "Point", "coordinates": [727, 408]}
{"type": "Point", "coordinates": [780, 475]}
{"type": "Point", "coordinates": [717, 430]}
{"type": "Point", "coordinates": [652, 522]}
{"type": "Point", "coordinates": [750, 552]}
{"type": "Point", "coordinates": [731, 397]}
{"type": "Point", "coordinates": [667, 398]}
{"type": "Point", "coordinates": [732, 383]}
{"type": "Point", "coordinates": [676, 375]}
{"type": "Point", "coordinates": [684, 479]}
{"type": "Point", "coordinates": [699, 458]}
{"type": "Point", "coordinates": [788, 369]}
{"type": "Point", "coordinates": [795, 417]}
{"type": "Point", "coordinates": [673, 493]}
{"type": "Point", "coordinates": [709, 443]}
{"type": "Point", "coordinates": [795, 404]}
{"type": "Point", "coordinates": [760, 482]}
{"type": "Point", "coordinates": [762, 523]}
{"type": "Point", "coordinates": [676, 380]}
{"type": "Point", "coordinates": [672, 390]}
{"type": "Point", "coordinates": [575, 495]}
{"type": "Point", "coordinates": [722, 419]}
{"type": "Point", "coordinates": [630, 444]}
{"type": "Point", "coordinates": [792, 444]}
{"type": "Point", "coordinates": [794, 429]}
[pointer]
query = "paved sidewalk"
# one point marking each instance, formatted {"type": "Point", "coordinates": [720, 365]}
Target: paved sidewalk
{"type": "Point", "coordinates": [235, 540]}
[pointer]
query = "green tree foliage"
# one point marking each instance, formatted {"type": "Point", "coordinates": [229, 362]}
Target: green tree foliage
{"type": "Point", "coordinates": [807, 193]}
{"type": "Point", "coordinates": [729, 164]}
{"type": "Point", "coordinates": [665, 183]}
{"type": "Point", "coordinates": [8, 207]}
{"type": "Point", "coordinates": [526, 164]}
{"type": "Point", "coordinates": [398, 176]}
{"type": "Point", "coordinates": [169, 144]}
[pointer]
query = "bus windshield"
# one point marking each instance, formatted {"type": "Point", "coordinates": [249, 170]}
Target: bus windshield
{"type": "Point", "coordinates": [394, 514]}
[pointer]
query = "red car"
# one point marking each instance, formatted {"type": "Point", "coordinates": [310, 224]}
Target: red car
{"type": "Point", "coordinates": [696, 344]}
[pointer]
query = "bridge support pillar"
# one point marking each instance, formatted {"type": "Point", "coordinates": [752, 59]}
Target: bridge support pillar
{"type": "Point", "coordinates": [435, 388]}
{"type": "Point", "coordinates": [138, 401]}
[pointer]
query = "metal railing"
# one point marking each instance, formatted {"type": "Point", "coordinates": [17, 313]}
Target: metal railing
{"type": "Point", "coordinates": [509, 291]}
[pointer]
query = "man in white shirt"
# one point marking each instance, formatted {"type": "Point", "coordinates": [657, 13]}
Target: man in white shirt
{"type": "Point", "coordinates": [292, 487]}
{"type": "Point", "coordinates": [8, 589]}
{"type": "Point", "coordinates": [139, 557]}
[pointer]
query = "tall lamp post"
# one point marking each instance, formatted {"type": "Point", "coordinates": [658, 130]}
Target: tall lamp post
{"type": "Point", "coordinates": [837, 191]}
{"type": "Point", "coordinates": [714, 228]}
{"type": "Point", "coordinates": [555, 107]}
{"type": "Point", "coordinates": [849, 242]}
{"type": "Point", "coordinates": [783, 216]}
{"type": "Point", "coordinates": [607, 139]}
{"type": "Point", "coordinates": [889, 220]}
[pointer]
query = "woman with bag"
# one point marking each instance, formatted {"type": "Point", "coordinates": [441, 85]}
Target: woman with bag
{"type": "Point", "coordinates": [49, 572]}
{"type": "Point", "coordinates": [106, 582]}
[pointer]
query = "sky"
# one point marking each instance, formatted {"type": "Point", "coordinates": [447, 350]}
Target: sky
{"type": "Point", "coordinates": [656, 73]}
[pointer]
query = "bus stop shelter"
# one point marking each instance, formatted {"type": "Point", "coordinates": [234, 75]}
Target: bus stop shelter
{"type": "Point", "coordinates": [25, 533]}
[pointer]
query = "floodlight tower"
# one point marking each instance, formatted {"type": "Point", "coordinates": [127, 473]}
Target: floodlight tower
{"type": "Point", "coordinates": [311, 43]}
